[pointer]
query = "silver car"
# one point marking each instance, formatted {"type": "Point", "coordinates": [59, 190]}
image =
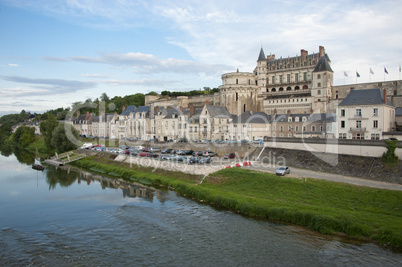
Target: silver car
{"type": "Point", "coordinates": [282, 170]}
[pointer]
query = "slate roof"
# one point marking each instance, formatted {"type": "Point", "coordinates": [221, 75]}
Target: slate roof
{"type": "Point", "coordinates": [322, 117]}
{"type": "Point", "coordinates": [322, 65]}
{"type": "Point", "coordinates": [364, 97]}
{"type": "Point", "coordinates": [218, 112]}
{"type": "Point", "coordinates": [398, 112]}
{"type": "Point", "coordinates": [128, 110]}
{"type": "Point", "coordinates": [261, 57]}
{"type": "Point", "coordinates": [196, 116]}
{"type": "Point", "coordinates": [143, 109]}
{"type": "Point", "coordinates": [171, 111]}
{"type": "Point", "coordinates": [255, 117]}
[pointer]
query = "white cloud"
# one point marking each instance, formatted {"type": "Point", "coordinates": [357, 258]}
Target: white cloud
{"type": "Point", "coordinates": [13, 65]}
{"type": "Point", "coordinates": [149, 64]}
{"type": "Point", "coordinates": [42, 86]}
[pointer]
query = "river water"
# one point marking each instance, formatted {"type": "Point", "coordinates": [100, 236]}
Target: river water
{"type": "Point", "coordinates": [67, 217]}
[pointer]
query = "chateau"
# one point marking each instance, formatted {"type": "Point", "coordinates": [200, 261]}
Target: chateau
{"type": "Point", "coordinates": [282, 97]}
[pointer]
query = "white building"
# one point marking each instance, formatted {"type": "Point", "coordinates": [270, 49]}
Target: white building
{"type": "Point", "coordinates": [365, 114]}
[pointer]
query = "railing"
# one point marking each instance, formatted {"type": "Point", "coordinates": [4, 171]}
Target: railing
{"type": "Point", "coordinates": [359, 130]}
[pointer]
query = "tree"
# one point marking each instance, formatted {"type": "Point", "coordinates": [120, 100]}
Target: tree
{"type": "Point", "coordinates": [152, 93]}
{"type": "Point", "coordinates": [23, 136]}
{"type": "Point", "coordinates": [47, 127]}
{"type": "Point", "coordinates": [63, 137]}
{"type": "Point", "coordinates": [104, 97]}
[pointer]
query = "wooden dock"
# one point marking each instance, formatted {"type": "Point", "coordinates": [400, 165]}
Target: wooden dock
{"type": "Point", "coordinates": [64, 158]}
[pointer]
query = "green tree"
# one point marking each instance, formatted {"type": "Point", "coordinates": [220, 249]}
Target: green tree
{"type": "Point", "coordinates": [23, 136]}
{"type": "Point", "coordinates": [63, 137]}
{"type": "Point", "coordinates": [104, 97]}
{"type": "Point", "coordinates": [389, 156]}
{"type": "Point", "coordinates": [47, 127]}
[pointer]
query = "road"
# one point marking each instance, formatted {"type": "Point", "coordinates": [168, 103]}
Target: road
{"type": "Point", "coordinates": [301, 173]}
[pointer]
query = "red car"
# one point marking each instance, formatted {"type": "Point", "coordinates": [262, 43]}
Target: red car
{"type": "Point", "coordinates": [143, 154]}
{"type": "Point", "coordinates": [230, 156]}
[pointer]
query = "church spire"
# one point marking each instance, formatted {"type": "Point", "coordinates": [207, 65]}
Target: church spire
{"type": "Point", "coordinates": [261, 57]}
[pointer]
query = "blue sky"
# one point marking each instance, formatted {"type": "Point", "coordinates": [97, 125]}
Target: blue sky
{"type": "Point", "coordinates": [56, 52]}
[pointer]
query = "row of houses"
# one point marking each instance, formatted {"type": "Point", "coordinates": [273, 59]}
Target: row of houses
{"type": "Point", "coordinates": [363, 114]}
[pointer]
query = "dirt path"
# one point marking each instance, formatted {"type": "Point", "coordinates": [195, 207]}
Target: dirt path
{"type": "Point", "coordinates": [301, 173]}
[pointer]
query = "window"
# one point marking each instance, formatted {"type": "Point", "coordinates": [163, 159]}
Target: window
{"type": "Point", "coordinates": [304, 128]}
{"type": "Point", "coordinates": [237, 96]}
{"type": "Point", "coordinates": [342, 113]}
{"type": "Point", "coordinates": [304, 119]}
{"type": "Point", "coordinates": [288, 78]}
{"type": "Point", "coordinates": [318, 84]}
{"type": "Point", "coordinates": [273, 128]}
{"type": "Point", "coordinates": [296, 119]}
{"type": "Point", "coordinates": [304, 76]}
{"type": "Point", "coordinates": [313, 128]}
{"type": "Point", "coordinates": [290, 128]}
{"type": "Point", "coordinates": [281, 128]}
{"type": "Point", "coordinates": [318, 76]}
{"type": "Point", "coordinates": [280, 78]}
{"type": "Point", "coordinates": [342, 136]}
{"type": "Point", "coordinates": [375, 124]}
{"type": "Point", "coordinates": [358, 112]}
{"type": "Point", "coordinates": [375, 136]}
{"type": "Point", "coordinates": [297, 128]}
{"type": "Point", "coordinates": [297, 77]}
{"type": "Point", "coordinates": [375, 112]}
{"type": "Point", "coordinates": [342, 124]}
{"type": "Point", "coordinates": [358, 124]}
{"type": "Point", "coordinates": [358, 136]}
{"type": "Point", "coordinates": [319, 91]}
{"type": "Point", "coordinates": [290, 119]}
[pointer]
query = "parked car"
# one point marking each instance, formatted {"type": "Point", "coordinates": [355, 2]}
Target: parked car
{"type": "Point", "coordinates": [194, 160]}
{"type": "Point", "coordinates": [205, 160]}
{"type": "Point", "coordinates": [188, 152]}
{"type": "Point", "coordinates": [143, 154]}
{"type": "Point", "coordinates": [229, 156]}
{"type": "Point", "coordinates": [174, 157]}
{"type": "Point", "coordinates": [208, 153]}
{"type": "Point", "coordinates": [282, 170]}
{"type": "Point", "coordinates": [182, 140]}
{"type": "Point", "coordinates": [151, 155]}
{"type": "Point", "coordinates": [197, 153]}
{"type": "Point", "coordinates": [167, 151]}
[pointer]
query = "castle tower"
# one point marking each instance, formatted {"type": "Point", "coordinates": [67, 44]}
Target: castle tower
{"type": "Point", "coordinates": [323, 77]}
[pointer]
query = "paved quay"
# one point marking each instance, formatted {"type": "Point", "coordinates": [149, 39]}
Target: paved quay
{"type": "Point", "coordinates": [219, 164]}
{"type": "Point", "coordinates": [304, 173]}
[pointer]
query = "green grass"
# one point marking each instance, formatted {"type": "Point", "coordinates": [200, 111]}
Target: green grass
{"type": "Point", "coordinates": [327, 207]}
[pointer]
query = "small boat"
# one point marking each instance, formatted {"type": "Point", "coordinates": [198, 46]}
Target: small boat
{"type": "Point", "coordinates": [37, 165]}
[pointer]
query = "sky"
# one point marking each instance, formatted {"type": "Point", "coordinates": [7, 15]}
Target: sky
{"type": "Point", "coordinates": [57, 52]}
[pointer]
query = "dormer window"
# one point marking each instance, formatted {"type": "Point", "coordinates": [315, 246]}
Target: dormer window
{"type": "Point", "coordinates": [290, 119]}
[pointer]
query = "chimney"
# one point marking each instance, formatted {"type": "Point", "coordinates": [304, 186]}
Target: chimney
{"type": "Point", "coordinates": [385, 96]}
{"type": "Point", "coordinates": [191, 109]}
{"type": "Point", "coordinates": [303, 54]}
{"type": "Point", "coordinates": [321, 49]}
{"type": "Point", "coordinates": [207, 102]}
{"type": "Point", "coordinates": [87, 116]}
{"type": "Point", "coordinates": [181, 109]}
{"type": "Point", "coordinates": [288, 112]}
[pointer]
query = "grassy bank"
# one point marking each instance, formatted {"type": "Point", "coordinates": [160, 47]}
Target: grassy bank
{"type": "Point", "coordinates": [326, 207]}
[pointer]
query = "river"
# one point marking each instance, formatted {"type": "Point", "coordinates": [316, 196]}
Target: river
{"type": "Point", "coordinates": [68, 217]}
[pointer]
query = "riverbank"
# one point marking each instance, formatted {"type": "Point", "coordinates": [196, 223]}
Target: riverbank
{"type": "Point", "coordinates": [326, 207]}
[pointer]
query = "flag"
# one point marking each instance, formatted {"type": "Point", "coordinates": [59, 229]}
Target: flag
{"type": "Point", "coordinates": [371, 71]}
{"type": "Point", "coordinates": [357, 75]}
{"type": "Point", "coordinates": [345, 74]}
{"type": "Point", "coordinates": [385, 70]}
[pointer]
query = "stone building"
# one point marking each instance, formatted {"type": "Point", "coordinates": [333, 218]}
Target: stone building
{"type": "Point", "coordinates": [365, 114]}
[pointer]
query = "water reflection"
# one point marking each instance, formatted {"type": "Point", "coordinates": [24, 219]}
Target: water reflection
{"type": "Point", "coordinates": [65, 176]}
{"type": "Point", "coordinates": [22, 155]}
